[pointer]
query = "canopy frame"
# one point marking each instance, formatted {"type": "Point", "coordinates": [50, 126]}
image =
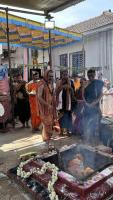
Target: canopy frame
{"type": "Point", "coordinates": [7, 9]}
{"type": "Point", "coordinates": [39, 5]}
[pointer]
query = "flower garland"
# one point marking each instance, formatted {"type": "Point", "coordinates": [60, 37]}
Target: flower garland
{"type": "Point", "coordinates": [48, 165]}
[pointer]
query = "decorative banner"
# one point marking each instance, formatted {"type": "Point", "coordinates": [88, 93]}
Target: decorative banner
{"type": "Point", "coordinates": [31, 34]}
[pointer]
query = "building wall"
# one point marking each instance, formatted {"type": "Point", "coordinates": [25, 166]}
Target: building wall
{"type": "Point", "coordinates": [98, 52]}
{"type": "Point", "coordinates": [91, 47]}
{"type": "Point", "coordinates": [98, 48]}
{"type": "Point", "coordinates": [65, 50]}
{"type": "Point", "coordinates": [111, 47]}
{"type": "Point", "coordinates": [56, 52]}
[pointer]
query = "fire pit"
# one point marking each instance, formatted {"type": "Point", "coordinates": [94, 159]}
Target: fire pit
{"type": "Point", "coordinates": [84, 157]}
{"type": "Point", "coordinates": [84, 174]}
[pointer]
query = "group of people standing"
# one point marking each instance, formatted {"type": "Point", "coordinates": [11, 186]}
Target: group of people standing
{"type": "Point", "coordinates": [25, 104]}
{"type": "Point", "coordinates": [79, 106]}
{"type": "Point", "coordinates": [60, 105]}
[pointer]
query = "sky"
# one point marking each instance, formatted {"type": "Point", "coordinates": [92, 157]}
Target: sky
{"type": "Point", "coordinates": [75, 14]}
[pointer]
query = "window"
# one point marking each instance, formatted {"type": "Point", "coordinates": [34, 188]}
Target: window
{"type": "Point", "coordinates": [78, 61]}
{"type": "Point", "coordinates": [64, 60]}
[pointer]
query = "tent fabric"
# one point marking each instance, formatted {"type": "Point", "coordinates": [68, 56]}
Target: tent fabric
{"type": "Point", "coordinates": [27, 33]}
{"type": "Point", "coordinates": [45, 5]}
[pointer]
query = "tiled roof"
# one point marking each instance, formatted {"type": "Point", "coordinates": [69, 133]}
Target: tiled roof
{"type": "Point", "coordinates": [93, 23]}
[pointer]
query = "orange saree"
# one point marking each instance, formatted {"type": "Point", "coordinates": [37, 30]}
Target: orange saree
{"type": "Point", "coordinates": [32, 88]}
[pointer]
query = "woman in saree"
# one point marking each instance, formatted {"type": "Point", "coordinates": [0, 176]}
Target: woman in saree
{"type": "Point", "coordinates": [23, 107]}
{"type": "Point", "coordinates": [92, 112]}
{"type": "Point", "coordinates": [32, 88]}
{"type": "Point", "coordinates": [78, 122]}
{"type": "Point", "coordinates": [47, 106]}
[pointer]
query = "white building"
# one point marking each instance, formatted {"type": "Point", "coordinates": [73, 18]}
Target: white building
{"type": "Point", "coordinates": [95, 50]}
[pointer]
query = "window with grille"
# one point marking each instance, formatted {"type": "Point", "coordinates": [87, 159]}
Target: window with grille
{"type": "Point", "coordinates": [64, 60]}
{"type": "Point", "coordinates": [78, 61]}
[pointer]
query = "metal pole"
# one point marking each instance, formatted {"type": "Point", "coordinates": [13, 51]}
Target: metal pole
{"type": "Point", "coordinates": [83, 50]}
{"type": "Point", "coordinates": [22, 11]}
{"type": "Point", "coordinates": [43, 57]}
{"type": "Point", "coordinates": [43, 61]}
{"type": "Point", "coordinates": [50, 55]}
{"type": "Point", "coordinates": [10, 74]}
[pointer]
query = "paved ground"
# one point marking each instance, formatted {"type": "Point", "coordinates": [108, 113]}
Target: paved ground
{"type": "Point", "coordinates": [13, 144]}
